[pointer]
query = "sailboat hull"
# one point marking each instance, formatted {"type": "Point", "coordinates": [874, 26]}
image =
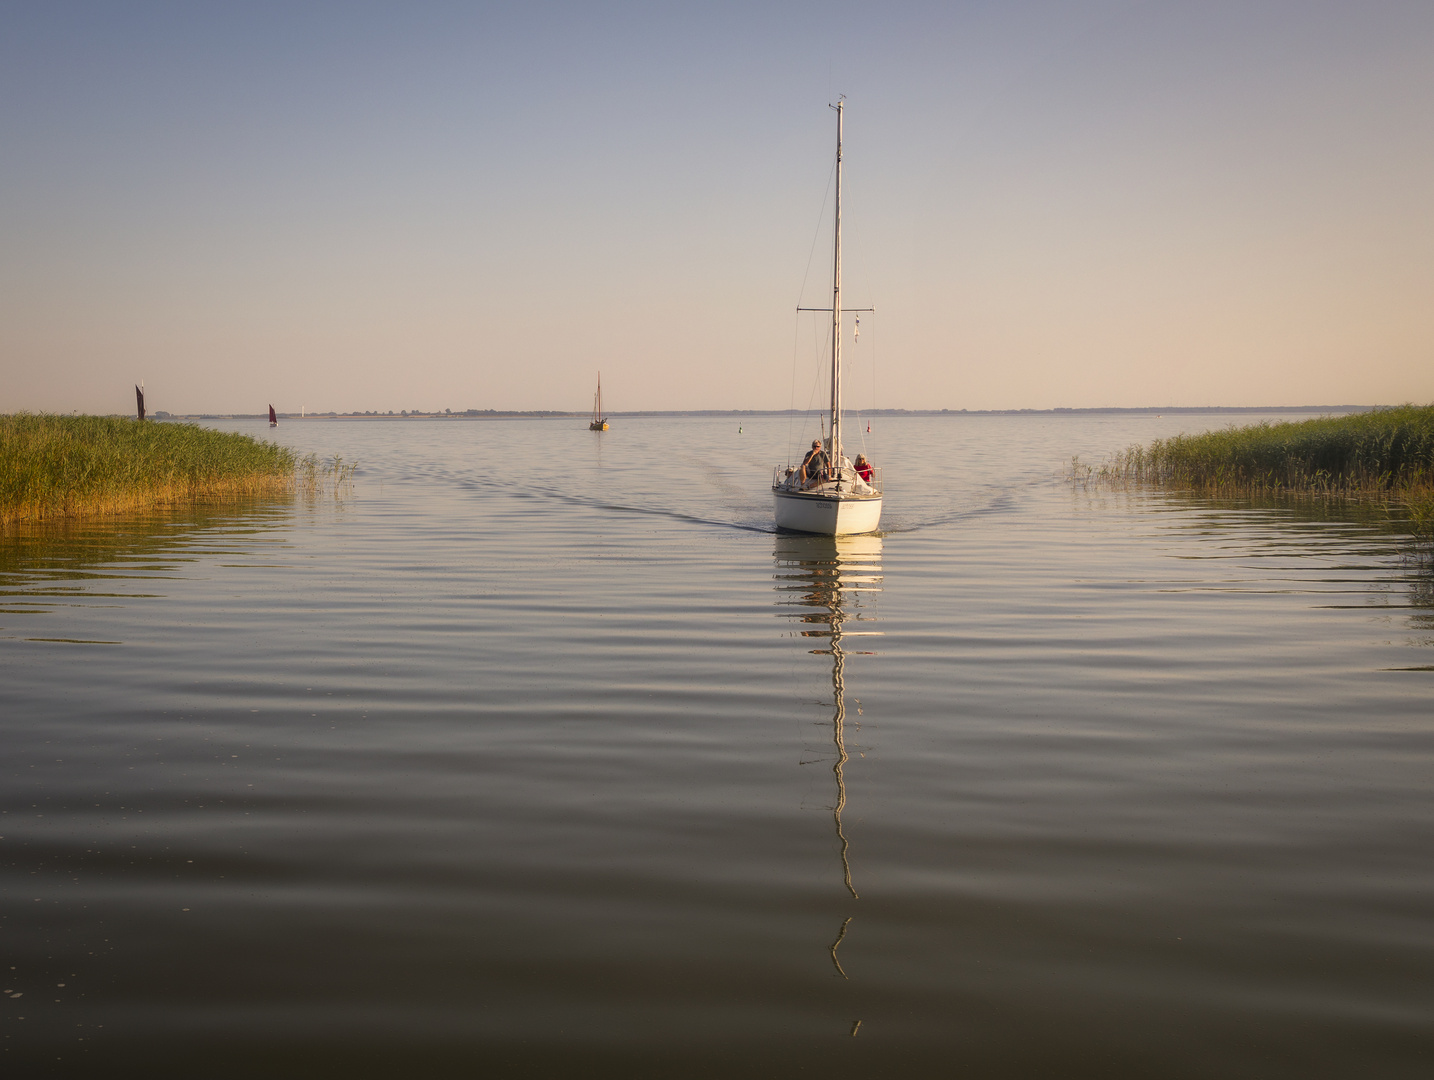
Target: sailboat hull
{"type": "Point", "coordinates": [826, 515]}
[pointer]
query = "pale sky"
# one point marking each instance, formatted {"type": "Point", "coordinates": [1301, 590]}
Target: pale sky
{"type": "Point", "coordinates": [423, 206]}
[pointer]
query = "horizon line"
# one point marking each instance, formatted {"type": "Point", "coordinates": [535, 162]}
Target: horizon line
{"type": "Point", "coordinates": [555, 414]}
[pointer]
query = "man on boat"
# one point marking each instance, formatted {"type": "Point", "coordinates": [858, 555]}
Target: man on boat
{"type": "Point", "coordinates": [814, 466]}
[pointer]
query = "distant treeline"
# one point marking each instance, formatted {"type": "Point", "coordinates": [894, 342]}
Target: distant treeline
{"type": "Point", "coordinates": [66, 466]}
{"type": "Point", "coordinates": [411, 414]}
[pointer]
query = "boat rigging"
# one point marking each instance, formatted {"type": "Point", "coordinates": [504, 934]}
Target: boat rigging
{"type": "Point", "coordinates": [827, 494]}
{"type": "Point", "coordinates": [599, 420]}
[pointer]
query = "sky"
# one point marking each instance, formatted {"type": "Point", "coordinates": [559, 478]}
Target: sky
{"type": "Point", "coordinates": [374, 206]}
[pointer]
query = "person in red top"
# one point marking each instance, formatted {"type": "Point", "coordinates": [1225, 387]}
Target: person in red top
{"type": "Point", "coordinates": [863, 468]}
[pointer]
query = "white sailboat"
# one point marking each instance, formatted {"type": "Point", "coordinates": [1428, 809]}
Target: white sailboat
{"type": "Point", "coordinates": [825, 494]}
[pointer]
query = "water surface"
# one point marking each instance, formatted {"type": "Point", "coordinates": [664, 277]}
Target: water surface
{"type": "Point", "coordinates": [538, 752]}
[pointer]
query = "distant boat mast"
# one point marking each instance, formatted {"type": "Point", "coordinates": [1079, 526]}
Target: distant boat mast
{"type": "Point", "coordinates": [599, 420]}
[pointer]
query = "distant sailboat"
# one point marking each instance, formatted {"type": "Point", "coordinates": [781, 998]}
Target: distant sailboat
{"type": "Point", "coordinates": [273, 420]}
{"type": "Point", "coordinates": [139, 401]}
{"type": "Point", "coordinates": [599, 420]}
{"type": "Point", "coordinates": [827, 494]}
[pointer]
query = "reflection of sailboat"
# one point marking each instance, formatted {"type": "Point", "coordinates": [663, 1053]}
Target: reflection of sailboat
{"type": "Point", "coordinates": [827, 495]}
{"type": "Point", "coordinates": [824, 578]}
{"type": "Point", "coordinates": [599, 420]}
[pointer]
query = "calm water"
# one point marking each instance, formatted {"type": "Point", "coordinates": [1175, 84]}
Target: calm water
{"type": "Point", "coordinates": [538, 753]}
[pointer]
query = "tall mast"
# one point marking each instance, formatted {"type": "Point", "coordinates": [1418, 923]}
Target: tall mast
{"type": "Point", "coordinates": [835, 448]}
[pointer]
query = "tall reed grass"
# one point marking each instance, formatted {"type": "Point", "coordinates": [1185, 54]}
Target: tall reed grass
{"type": "Point", "coordinates": [314, 476]}
{"type": "Point", "coordinates": [1386, 454]}
{"type": "Point", "coordinates": [72, 466]}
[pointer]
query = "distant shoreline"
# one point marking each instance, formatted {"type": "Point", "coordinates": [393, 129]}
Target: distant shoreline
{"type": "Point", "coordinates": [545, 414]}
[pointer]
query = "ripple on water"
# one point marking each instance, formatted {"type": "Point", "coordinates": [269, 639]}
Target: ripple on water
{"type": "Point", "coordinates": [523, 752]}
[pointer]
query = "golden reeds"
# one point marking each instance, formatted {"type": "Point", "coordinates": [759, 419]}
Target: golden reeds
{"type": "Point", "coordinates": [89, 466]}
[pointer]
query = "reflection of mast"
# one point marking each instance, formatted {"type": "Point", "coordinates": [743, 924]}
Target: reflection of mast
{"type": "Point", "coordinates": [829, 573]}
{"type": "Point", "coordinates": [841, 934]}
{"type": "Point", "coordinates": [838, 737]}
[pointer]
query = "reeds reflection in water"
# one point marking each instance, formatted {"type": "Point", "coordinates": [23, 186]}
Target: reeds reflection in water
{"type": "Point", "coordinates": [831, 582]}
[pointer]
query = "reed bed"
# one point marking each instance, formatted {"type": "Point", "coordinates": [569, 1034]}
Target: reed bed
{"type": "Point", "coordinates": [314, 476]}
{"type": "Point", "coordinates": [87, 466]}
{"type": "Point", "coordinates": [1386, 454]}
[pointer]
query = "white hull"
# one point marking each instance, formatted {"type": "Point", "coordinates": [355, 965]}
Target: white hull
{"type": "Point", "coordinates": [826, 515]}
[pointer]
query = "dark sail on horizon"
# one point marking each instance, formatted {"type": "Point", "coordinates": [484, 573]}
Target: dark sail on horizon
{"type": "Point", "coordinates": [273, 420]}
{"type": "Point", "coordinates": [139, 400]}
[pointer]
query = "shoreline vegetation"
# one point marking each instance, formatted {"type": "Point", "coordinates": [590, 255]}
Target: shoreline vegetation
{"type": "Point", "coordinates": [1383, 454]}
{"type": "Point", "coordinates": [54, 467]}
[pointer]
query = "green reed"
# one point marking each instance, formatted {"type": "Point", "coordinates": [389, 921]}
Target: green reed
{"type": "Point", "coordinates": [1381, 451]}
{"type": "Point", "coordinates": [1419, 506]}
{"type": "Point", "coordinates": [313, 476]}
{"type": "Point", "coordinates": [65, 466]}
{"type": "Point", "coordinates": [1386, 454]}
